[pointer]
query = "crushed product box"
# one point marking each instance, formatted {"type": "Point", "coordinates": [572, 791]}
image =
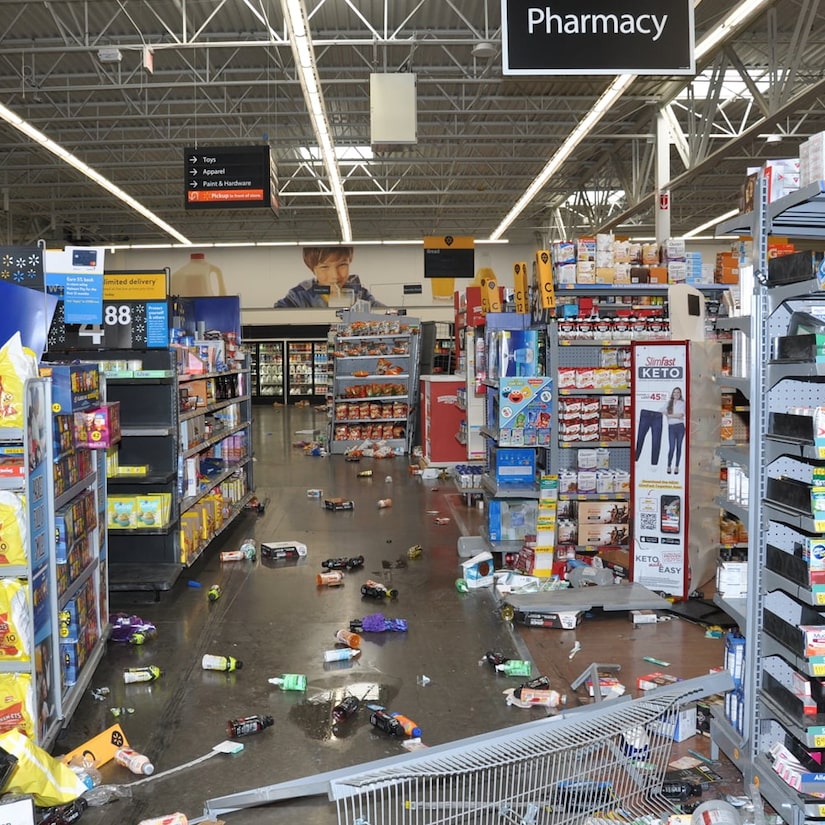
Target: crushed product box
{"type": "Point", "coordinates": [656, 680]}
{"type": "Point", "coordinates": [478, 571]}
{"type": "Point", "coordinates": [564, 620]}
{"type": "Point", "coordinates": [338, 504]}
{"type": "Point", "coordinates": [643, 617]}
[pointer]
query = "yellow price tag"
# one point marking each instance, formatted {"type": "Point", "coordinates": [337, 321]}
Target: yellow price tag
{"type": "Point", "coordinates": [821, 811]}
{"type": "Point", "coordinates": [818, 670]}
{"type": "Point", "coordinates": [819, 741]}
{"type": "Point", "coordinates": [820, 597]}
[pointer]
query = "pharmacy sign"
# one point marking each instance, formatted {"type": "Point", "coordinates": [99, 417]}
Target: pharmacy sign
{"type": "Point", "coordinates": [550, 37]}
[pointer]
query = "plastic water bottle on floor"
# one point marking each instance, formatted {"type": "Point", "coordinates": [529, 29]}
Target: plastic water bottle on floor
{"type": "Point", "coordinates": [135, 675]}
{"type": "Point", "coordinates": [224, 663]}
{"type": "Point", "coordinates": [341, 654]}
{"type": "Point", "coordinates": [245, 725]}
{"type": "Point", "coordinates": [383, 721]}
{"type": "Point", "coordinates": [347, 707]}
{"type": "Point", "coordinates": [134, 761]}
{"type": "Point", "coordinates": [410, 728]}
{"type": "Point", "coordinates": [348, 638]}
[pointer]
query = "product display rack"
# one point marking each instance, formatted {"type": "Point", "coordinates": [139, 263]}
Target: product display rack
{"type": "Point", "coordinates": [173, 444]}
{"type": "Point", "coordinates": [58, 654]}
{"type": "Point", "coordinates": [782, 591]}
{"type": "Point", "coordinates": [374, 385]}
{"type": "Point", "coordinates": [511, 504]}
{"type": "Point", "coordinates": [568, 351]}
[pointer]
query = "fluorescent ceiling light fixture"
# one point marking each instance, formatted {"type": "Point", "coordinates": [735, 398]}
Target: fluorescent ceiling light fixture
{"type": "Point", "coordinates": [613, 92]}
{"type": "Point", "coordinates": [67, 157]}
{"type": "Point", "coordinates": [298, 27]}
{"type": "Point", "coordinates": [728, 26]}
{"type": "Point", "coordinates": [353, 154]}
{"type": "Point", "coordinates": [707, 224]}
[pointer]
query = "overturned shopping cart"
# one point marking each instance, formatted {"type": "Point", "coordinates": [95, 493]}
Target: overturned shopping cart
{"type": "Point", "coordinates": [604, 762]}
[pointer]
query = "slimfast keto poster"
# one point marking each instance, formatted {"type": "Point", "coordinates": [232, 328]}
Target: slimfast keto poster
{"type": "Point", "coordinates": [659, 453]}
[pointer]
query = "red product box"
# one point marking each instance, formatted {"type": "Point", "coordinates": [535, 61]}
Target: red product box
{"type": "Point", "coordinates": [655, 680]}
{"type": "Point", "coordinates": [103, 426]}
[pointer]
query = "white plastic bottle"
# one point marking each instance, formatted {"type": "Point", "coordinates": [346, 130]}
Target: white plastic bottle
{"type": "Point", "coordinates": [134, 761]}
{"type": "Point", "coordinates": [198, 278]}
{"type": "Point", "coordinates": [340, 654]}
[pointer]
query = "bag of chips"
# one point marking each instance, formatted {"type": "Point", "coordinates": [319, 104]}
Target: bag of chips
{"type": "Point", "coordinates": [16, 365]}
{"type": "Point", "coordinates": [13, 529]}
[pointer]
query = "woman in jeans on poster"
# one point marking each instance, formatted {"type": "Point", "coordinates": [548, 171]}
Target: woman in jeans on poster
{"type": "Point", "coordinates": [674, 411]}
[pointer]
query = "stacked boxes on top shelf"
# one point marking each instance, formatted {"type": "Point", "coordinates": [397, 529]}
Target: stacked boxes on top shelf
{"type": "Point", "coordinates": [603, 259]}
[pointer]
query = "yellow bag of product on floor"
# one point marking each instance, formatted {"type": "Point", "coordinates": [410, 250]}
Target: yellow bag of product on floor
{"type": "Point", "coordinates": [16, 365]}
{"type": "Point", "coordinates": [13, 528]}
{"type": "Point", "coordinates": [47, 779]}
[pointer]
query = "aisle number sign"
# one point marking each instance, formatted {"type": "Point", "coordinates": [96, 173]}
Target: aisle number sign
{"type": "Point", "coordinates": [134, 314]}
{"type": "Point", "coordinates": [520, 281]}
{"type": "Point", "coordinates": [544, 279]}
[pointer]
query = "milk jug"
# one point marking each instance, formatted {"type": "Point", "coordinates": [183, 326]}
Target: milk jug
{"type": "Point", "coordinates": [198, 278]}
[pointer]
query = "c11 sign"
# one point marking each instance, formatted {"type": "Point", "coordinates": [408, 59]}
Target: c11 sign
{"type": "Point", "coordinates": [550, 37]}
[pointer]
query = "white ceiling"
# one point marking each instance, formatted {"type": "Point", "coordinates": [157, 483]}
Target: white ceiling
{"type": "Point", "coordinates": [222, 79]}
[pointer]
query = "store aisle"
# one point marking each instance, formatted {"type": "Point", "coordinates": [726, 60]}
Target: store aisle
{"type": "Point", "coordinates": [274, 618]}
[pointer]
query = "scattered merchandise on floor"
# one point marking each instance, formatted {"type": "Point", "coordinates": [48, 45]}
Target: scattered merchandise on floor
{"type": "Point", "coordinates": [345, 689]}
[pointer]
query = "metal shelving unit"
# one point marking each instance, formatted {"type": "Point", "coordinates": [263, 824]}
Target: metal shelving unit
{"type": "Point", "coordinates": [776, 573]}
{"type": "Point", "coordinates": [370, 354]}
{"type": "Point", "coordinates": [53, 651]}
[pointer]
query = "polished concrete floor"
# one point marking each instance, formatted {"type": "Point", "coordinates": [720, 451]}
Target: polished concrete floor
{"type": "Point", "coordinates": [274, 617]}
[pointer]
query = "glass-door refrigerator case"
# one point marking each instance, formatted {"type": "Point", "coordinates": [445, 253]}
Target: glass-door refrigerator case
{"type": "Point", "coordinates": [270, 371]}
{"type": "Point", "coordinates": [288, 363]}
{"type": "Point", "coordinates": [307, 373]}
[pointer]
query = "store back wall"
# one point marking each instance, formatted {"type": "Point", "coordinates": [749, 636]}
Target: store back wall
{"type": "Point", "coordinates": [263, 275]}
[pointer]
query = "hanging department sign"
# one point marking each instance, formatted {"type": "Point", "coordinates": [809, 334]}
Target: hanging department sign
{"type": "Point", "coordinates": [597, 37]}
{"type": "Point", "coordinates": [236, 177]}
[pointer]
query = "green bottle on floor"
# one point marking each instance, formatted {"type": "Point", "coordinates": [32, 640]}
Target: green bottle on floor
{"type": "Point", "coordinates": [290, 681]}
{"type": "Point", "coordinates": [515, 667]}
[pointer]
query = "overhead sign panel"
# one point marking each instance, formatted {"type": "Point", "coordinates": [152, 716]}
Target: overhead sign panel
{"type": "Point", "coordinates": [559, 37]}
{"type": "Point", "coordinates": [237, 177]}
{"type": "Point", "coordinates": [449, 256]}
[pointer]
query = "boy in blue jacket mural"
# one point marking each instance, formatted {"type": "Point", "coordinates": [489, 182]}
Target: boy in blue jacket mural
{"type": "Point", "coordinates": [330, 267]}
